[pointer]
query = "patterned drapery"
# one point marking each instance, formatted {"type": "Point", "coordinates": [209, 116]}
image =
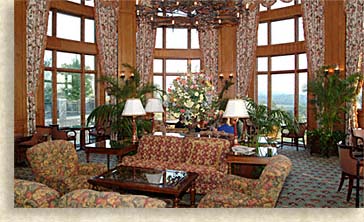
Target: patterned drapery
{"type": "Point", "coordinates": [36, 37]}
{"type": "Point", "coordinates": [145, 43]}
{"type": "Point", "coordinates": [314, 26]}
{"type": "Point", "coordinates": [246, 46]}
{"type": "Point", "coordinates": [106, 21]}
{"type": "Point", "coordinates": [354, 49]}
{"type": "Point", "coordinates": [209, 46]}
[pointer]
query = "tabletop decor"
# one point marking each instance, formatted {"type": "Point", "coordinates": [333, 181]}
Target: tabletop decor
{"type": "Point", "coordinates": [192, 96]}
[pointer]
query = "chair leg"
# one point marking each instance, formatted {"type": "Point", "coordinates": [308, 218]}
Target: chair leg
{"type": "Point", "coordinates": [304, 145]}
{"type": "Point", "coordinates": [281, 142]}
{"type": "Point", "coordinates": [350, 188]}
{"type": "Point", "coordinates": [341, 181]}
{"type": "Point", "coordinates": [296, 143]}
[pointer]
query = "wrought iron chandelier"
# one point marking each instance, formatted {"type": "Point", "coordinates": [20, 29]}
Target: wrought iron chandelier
{"type": "Point", "coordinates": [193, 12]}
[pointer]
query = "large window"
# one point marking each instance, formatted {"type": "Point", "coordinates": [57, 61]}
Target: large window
{"type": "Point", "coordinates": [70, 65]}
{"type": "Point", "coordinates": [177, 53]}
{"type": "Point", "coordinates": [281, 79]}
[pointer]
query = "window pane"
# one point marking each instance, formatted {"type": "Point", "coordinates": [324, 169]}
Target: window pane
{"type": "Point", "coordinates": [75, 1]}
{"type": "Point", "coordinates": [195, 65]}
{"type": "Point", "coordinates": [301, 34]}
{"type": "Point", "coordinates": [89, 62]}
{"type": "Point", "coordinates": [159, 38]}
{"type": "Point", "coordinates": [262, 89]}
{"type": "Point", "coordinates": [302, 61]}
{"type": "Point", "coordinates": [90, 94]}
{"type": "Point", "coordinates": [283, 97]}
{"type": "Point", "coordinates": [262, 8]}
{"type": "Point", "coordinates": [282, 31]}
{"type": "Point", "coordinates": [90, 3]}
{"type": "Point", "coordinates": [69, 97]}
{"type": "Point", "coordinates": [169, 81]}
{"type": "Point", "coordinates": [49, 27]}
{"type": "Point", "coordinates": [158, 65]}
{"type": "Point", "coordinates": [263, 34]}
{"type": "Point", "coordinates": [302, 100]}
{"type": "Point", "coordinates": [176, 38]}
{"type": "Point", "coordinates": [262, 64]}
{"type": "Point", "coordinates": [176, 66]}
{"type": "Point", "coordinates": [280, 4]}
{"type": "Point", "coordinates": [90, 30]}
{"type": "Point", "coordinates": [158, 82]}
{"type": "Point", "coordinates": [48, 102]}
{"type": "Point", "coordinates": [68, 27]}
{"type": "Point", "coordinates": [48, 58]}
{"type": "Point", "coordinates": [194, 39]}
{"type": "Point", "coordinates": [283, 63]}
{"type": "Point", "coordinates": [68, 60]}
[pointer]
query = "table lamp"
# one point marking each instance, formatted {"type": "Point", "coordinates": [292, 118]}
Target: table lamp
{"type": "Point", "coordinates": [133, 108]}
{"type": "Point", "coordinates": [236, 108]}
{"type": "Point", "coordinates": [154, 105]}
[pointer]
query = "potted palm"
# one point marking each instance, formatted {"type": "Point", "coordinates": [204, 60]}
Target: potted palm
{"type": "Point", "coordinates": [333, 96]}
{"type": "Point", "coordinates": [268, 121]}
{"type": "Point", "coordinates": [110, 115]}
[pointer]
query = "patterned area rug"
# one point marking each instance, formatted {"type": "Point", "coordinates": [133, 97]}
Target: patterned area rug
{"type": "Point", "coordinates": [312, 183]}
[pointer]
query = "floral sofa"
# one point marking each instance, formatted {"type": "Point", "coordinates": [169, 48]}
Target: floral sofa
{"type": "Point", "coordinates": [55, 164]}
{"type": "Point", "coordinates": [30, 194]}
{"type": "Point", "coordinates": [205, 156]}
{"type": "Point", "coordinates": [237, 191]}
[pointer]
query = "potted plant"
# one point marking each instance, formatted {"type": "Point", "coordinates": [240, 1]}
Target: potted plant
{"type": "Point", "coordinates": [110, 115]}
{"type": "Point", "coordinates": [333, 96]}
{"type": "Point", "coordinates": [268, 121]}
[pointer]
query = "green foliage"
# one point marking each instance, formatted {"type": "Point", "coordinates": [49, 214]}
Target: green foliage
{"type": "Point", "coordinates": [110, 115]}
{"type": "Point", "coordinates": [333, 96]}
{"type": "Point", "coordinates": [266, 121]}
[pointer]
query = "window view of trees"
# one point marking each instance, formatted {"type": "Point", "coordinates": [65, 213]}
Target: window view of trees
{"type": "Point", "coordinates": [281, 79]}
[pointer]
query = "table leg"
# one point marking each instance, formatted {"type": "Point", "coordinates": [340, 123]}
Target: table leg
{"type": "Point", "coordinates": [192, 194]}
{"type": "Point", "coordinates": [87, 156]}
{"type": "Point", "coordinates": [108, 162]}
{"type": "Point", "coordinates": [175, 202]}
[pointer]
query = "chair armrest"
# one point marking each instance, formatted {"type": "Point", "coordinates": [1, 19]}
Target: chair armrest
{"type": "Point", "coordinates": [239, 184]}
{"type": "Point", "coordinates": [92, 169]}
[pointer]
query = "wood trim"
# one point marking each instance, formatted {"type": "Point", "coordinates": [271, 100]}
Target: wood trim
{"type": "Point", "coordinates": [177, 53]}
{"type": "Point", "coordinates": [280, 14]}
{"type": "Point", "coordinates": [73, 8]}
{"type": "Point", "coordinates": [281, 49]}
{"type": "Point", "coordinates": [20, 98]}
{"type": "Point", "coordinates": [65, 45]}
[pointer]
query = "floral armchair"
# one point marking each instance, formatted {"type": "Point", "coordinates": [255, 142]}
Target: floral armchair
{"type": "Point", "coordinates": [237, 191]}
{"type": "Point", "coordinates": [55, 163]}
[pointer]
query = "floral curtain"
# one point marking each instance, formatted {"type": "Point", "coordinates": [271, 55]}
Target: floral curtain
{"type": "Point", "coordinates": [145, 43]}
{"type": "Point", "coordinates": [36, 37]}
{"type": "Point", "coordinates": [106, 20]}
{"type": "Point", "coordinates": [246, 50]}
{"type": "Point", "coordinates": [209, 46]}
{"type": "Point", "coordinates": [314, 26]}
{"type": "Point", "coordinates": [354, 49]}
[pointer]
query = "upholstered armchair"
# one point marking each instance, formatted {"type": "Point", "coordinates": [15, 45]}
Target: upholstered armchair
{"type": "Point", "coordinates": [348, 165]}
{"type": "Point", "coordinates": [55, 163]}
{"type": "Point", "coordinates": [295, 136]}
{"type": "Point", "coordinates": [237, 192]}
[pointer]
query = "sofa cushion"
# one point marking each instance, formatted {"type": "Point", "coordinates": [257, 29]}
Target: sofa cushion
{"type": "Point", "coordinates": [91, 198]}
{"type": "Point", "coordinates": [164, 148]}
{"type": "Point", "coordinates": [207, 151]}
{"type": "Point", "coordinates": [30, 194]}
{"type": "Point", "coordinates": [202, 154]}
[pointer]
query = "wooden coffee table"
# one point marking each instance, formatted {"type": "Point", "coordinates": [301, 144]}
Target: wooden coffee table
{"type": "Point", "coordinates": [171, 182]}
{"type": "Point", "coordinates": [108, 148]}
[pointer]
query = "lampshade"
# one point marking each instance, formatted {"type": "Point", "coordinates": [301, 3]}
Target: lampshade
{"type": "Point", "coordinates": [236, 108]}
{"type": "Point", "coordinates": [133, 107]}
{"type": "Point", "coordinates": [154, 105]}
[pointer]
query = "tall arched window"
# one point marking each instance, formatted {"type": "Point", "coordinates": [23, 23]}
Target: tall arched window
{"type": "Point", "coordinates": [281, 78]}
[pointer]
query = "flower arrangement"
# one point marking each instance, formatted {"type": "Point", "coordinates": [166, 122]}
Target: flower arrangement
{"type": "Point", "coordinates": [193, 96]}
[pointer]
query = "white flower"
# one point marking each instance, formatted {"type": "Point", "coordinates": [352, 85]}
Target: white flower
{"type": "Point", "coordinates": [196, 94]}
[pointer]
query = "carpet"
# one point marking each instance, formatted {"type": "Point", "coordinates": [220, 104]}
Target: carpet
{"type": "Point", "coordinates": [312, 183]}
